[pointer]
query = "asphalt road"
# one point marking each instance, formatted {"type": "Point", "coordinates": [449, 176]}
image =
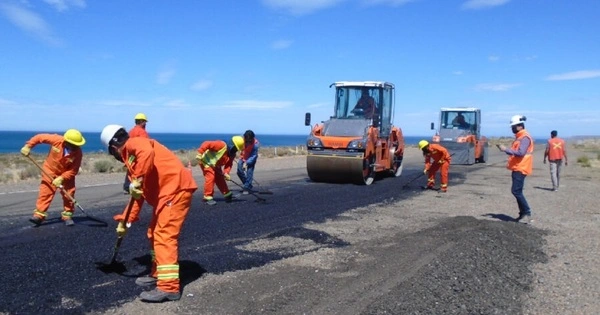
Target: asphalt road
{"type": "Point", "coordinates": [53, 268]}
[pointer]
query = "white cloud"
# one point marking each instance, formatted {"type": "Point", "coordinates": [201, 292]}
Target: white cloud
{"type": "Point", "coordinates": [118, 103]}
{"type": "Point", "coordinates": [164, 76]}
{"type": "Point", "coordinates": [499, 87]}
{"type": "Point", "coordinates": [281, 44]}
{"type": "Point", "coordinates": [201, 85]}
{"type": "Point", "coordinates": [300, 7]}
{"type": "Point", "coordinates": [29, 22]}
{"type": "Point", "coordinates": [457, 72]}
{"type": "Point", "coordinates": [493, 58]}
{"type": "Point", "coordinates": [482, 4]}
{"type": "Point", "coordinates": [256, 105]}
{"type": "Point", "coordinates": [63, 5]}
{"type": "Point", "coordinates": [319, 105]}
{"type": "Point", "coordinates": [177, 104]}
{"type": "Point", "coordinates": [575, 75]}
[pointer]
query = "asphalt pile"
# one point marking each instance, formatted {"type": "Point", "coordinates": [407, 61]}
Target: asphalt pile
{"type": "Point", "coordinates": [486, 270]}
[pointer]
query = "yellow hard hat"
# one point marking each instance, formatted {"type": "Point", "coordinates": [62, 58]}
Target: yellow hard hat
{"type": "Point", "coordinates": [74, 137]}
{"type": "Point", "coordinates": [140, 116]}
{"type": "Point", "coordinates": [238, 141]}
{"type": "Point", "coordinates": [422, 144]}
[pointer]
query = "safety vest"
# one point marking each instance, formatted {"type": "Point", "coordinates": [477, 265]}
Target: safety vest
{"type": "Point", "coordinates": [556, 147]}
{"type": "Point", "coordinates": [210, 158]}
{"type": "Point", "coordinates": [523, 164]}
{"type": "Point", "coordinates": [248, 150]}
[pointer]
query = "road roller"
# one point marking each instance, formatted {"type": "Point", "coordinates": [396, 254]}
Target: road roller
{"type": "Point", "coordinates": [359, 141]}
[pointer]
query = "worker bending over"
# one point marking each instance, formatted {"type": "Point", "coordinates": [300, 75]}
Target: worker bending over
{"type": "Point", "coordinates": [215, 158]}
{"type": "Point", "coordinates": [248, 157]}
{"type": "Point", "coordinates": [436, 157]}
{"type": "Point", "coordinates": [159, 178]}
{"type": "Point", "coordinates": [62, 164]}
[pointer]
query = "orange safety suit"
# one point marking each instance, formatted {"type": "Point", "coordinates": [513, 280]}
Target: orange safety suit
{"type": "Point", "coordinates": [437, 158]}
{"type": "Point", "coordinates": [168, 187]}
{"type": "Point", "coordinates": [59, 162]}
{"type": "Point", "coordinates": [523, 164]}
{"type": "Point", "coordinates": [138, 131]}
{"type": "Point", "coordinates": [215, 162]}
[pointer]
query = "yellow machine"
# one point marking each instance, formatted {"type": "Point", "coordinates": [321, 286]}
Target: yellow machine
{"type": "Point", "coordinates": [359, 140]}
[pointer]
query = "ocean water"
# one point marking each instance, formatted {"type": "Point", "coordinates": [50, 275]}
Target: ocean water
{"type": "Point", "coordinates": [13, 141]}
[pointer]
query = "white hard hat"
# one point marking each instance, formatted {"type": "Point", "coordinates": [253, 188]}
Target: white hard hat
{"type": "Point", "coordinates": [108, 133]}
{"type": "Point", "coordinates": [517, 119]}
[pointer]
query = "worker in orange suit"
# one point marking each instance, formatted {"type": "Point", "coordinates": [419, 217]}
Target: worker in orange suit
{"type": "Point", "coordinates": [62, 164]}
{"type": "Point", "coordinates": [215, 158]}
{"type": "Point", "coordinates": [139, 130]}
{"type": "Point", "coordinates": [159, 178]}
{"type": "Point", "coordinates": [436, 157]}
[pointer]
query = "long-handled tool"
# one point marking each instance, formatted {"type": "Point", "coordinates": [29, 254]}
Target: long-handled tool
{"type": "Point", "coordinates": [115, 266]}
{"type": "Point", "coordinates": [260, 190]}
{"type": "Point", "coordinates": [64, 192]}
{"type": "Point", "coordinates": [258, 198]}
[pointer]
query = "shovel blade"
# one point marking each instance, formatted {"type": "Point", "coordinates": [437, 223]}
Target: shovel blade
{"type": "Point", "coordinates": [112, 267]}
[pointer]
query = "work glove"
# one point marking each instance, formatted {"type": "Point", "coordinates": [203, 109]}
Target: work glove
{"type": "Point", "coordinates": [135, 189]}
{"type": "Point", "coordinates": [425, 171]}
{"type": "Point", "coordinates": [227, 177]}
{"type": "Point", "coordinates": [245, 166]}
{"type": "Point", "coordinates": [25, 150]}
{"type": "Point", "coordinates": [121, 229]}
{"type": "Point", "coordinates": [58, 181]}
{"type": "Point", "coordinates": [121, 217]}
{"type": "Point", "coordinates": [441, 161]}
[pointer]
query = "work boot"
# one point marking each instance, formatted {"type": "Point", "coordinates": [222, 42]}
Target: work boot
{"type": "Point", "coordinates": [36, 220]}
{"type": "Point", "coordinates": [210, 202]}
{"type": "Point", "coordinates": [145, 281]}
{"type": "Point", "coordinates": [69, 222]}
{"type": "Point", "coordinates": [158, 296]}
{"type": "Point", "coordinates": [524, 218]}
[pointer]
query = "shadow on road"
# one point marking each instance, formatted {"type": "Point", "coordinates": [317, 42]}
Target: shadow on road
{"type": "Point", "coordinates": [499, 216]}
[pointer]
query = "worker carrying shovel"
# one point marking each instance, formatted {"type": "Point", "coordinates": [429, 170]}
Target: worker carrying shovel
{"type": "Point", "coordinates": [215, 158]}
{"type": "Point", "coordinates": [159, 178]}
{"type": "Point", "coordinates": [436, 158]}
{"type": "Point", "coordinates": [59, 170]}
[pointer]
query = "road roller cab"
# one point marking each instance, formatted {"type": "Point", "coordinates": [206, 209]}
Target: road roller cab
{"type": "Point", "coordinates": [459, 133]}
{"type": "Point", "coordinates": [359, 140]}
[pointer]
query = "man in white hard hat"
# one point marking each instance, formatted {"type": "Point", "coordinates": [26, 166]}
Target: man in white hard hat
{"type": "Point", "coordinates": [62, 163]}
{"type": "Point", "coordinates": [159, 178]}
{"type": "Point", "coordinates": [520, 162]}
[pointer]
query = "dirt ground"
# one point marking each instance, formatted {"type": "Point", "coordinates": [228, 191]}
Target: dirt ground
{"type": "Point", "coordinates": [554, 262]}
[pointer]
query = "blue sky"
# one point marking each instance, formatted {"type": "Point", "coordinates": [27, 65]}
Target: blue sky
{"type": "Point", "coordinates": [231, 65]}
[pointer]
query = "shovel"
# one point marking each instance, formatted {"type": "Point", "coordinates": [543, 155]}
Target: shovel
{"type": "Point", "coordinates": [115, 266]}
{"type": "Point", "coordinates": [258, 198]}
{"type": "Point", "coordinates": [65, 193]}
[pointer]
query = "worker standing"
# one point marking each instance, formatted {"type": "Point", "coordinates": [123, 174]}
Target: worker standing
{"type": "Point", "coordinates": [215, 158]}
{"type": "Point", "coordinates": [556, 152]}
{"type": "Point", "coordinates": [139, 130]}
{"type": "Point", "coordinates": [248, 158]}
{"type": "Point", "coordinates": [520, 163]}
{"type": "Point", "coordinates": [62, 164]}
{"type": "Point", "coordinates": [159, 178]}
{"type": "Point", "coordinates": [436, 157]}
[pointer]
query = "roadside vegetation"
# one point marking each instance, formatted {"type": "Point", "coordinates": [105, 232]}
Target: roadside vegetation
{"type": "Point", "coordinates": [14, 167]}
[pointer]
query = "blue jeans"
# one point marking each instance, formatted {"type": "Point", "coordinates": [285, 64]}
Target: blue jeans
{"type": "Point", "coordinates": [247, 176]}
{"type": "Point", "coordinates": [518, 180]}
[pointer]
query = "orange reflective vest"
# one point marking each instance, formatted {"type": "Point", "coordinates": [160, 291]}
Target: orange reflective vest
{"type": "Point", "coordinates": [438, 154]}
{"type": "Point", "coordinates": [555, 149]}
{"type": "Point", "coordinates": [59, 162]}
{"type": "Point", "coordinates": [523, 164]}
{"type": "Point", "coordinates": [246, 154]}
{"type": "Point", "coordinates": [138, 131]}
{"type": "Point", "coordinates": [214, 154]}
